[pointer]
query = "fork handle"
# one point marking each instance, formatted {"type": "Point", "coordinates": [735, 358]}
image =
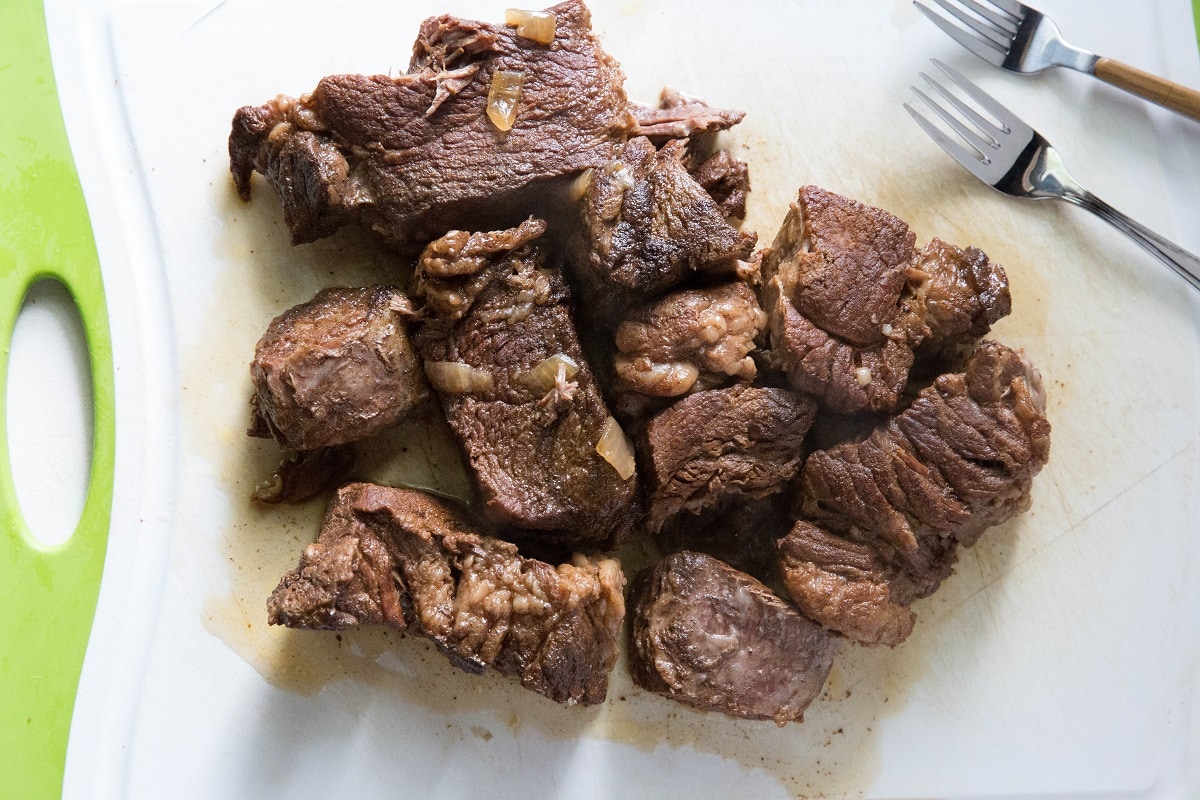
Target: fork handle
{"type": "Point", "coordinates": [1158, 90]}
{"type": "Point", "coordinates": [1174, 256]}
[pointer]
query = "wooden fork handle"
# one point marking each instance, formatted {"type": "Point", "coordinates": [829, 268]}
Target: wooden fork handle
{"type": "Point", "coordinates": [1158, 90]}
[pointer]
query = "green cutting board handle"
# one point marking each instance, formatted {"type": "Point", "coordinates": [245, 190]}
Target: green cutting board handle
{"type": "Point", "coordinates": [48, 593]}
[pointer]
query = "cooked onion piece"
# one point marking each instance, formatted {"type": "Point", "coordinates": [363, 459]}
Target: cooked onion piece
{"type": "Point", "coordinates": [614, 447]}
{"type": "Point", "coordinates": [455, 377]}
{"type": "Point", "coordinates": [536, 25]}
{"type": "Point", "coordinates": [544, 375]}
{"type": "Point", "coordinates": [503, 98]}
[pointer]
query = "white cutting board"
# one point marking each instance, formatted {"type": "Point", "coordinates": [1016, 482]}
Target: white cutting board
{"type": "Point", "coordinates": [1060, 660]}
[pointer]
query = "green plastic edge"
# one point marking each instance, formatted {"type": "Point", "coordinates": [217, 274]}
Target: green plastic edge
{"type": "Point", "coordinates": [48, 595]}
{"type": "Point", "coordinates": [1196, 19]}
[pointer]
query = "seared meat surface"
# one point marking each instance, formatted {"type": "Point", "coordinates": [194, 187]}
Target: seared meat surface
{"type": "Point", "coordinates": [416, 155]}
{"type": "Point", "coordinates": [843, 585]}
{"type": "Point", "coordinates": [849, 300]}
{"type": "Point", "coordinates": [402, 558]}
{"type": "Point", "coordinates": [960, 459]}
{"type": "Point", "coordinates": [722, 445]}
{"type": "Point", "coordinates": [645, 226]}
{"type": "Point", "coordinates": [696, 338]}
{"type": "Point", "coordinates": [494, 306]}
{"type": "Point", "coordinates": [304, 474]}
{"type": "Point", "coordinates": [742, 533]}
{"type": "Point", "coordinates": [337, 368]}
{"type": "Point", "coordinates": [715, 638]}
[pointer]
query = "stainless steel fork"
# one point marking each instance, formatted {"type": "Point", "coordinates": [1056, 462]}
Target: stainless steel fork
{"type": "Point", "coordinates": [1018, 38]}
{"type": "Point", "coordinates": [1013, 158]}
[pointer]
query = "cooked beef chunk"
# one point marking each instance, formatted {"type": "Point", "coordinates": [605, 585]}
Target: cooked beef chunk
{"type": "Point", "coordinates": [742, 533]}
{"type": "Point", "coordinates": [400, 557]}
{"type": "Point", "coordinates": [727, 181]}
{"type": "Point", "coordinates": [693, 338]}
{"type": "Point", "coordinates": [715, 638]}
{"type": "Point", "coordinates": [305, 474]}
{"type": "Point", "coordinates": [834, 282]}
{"type": "Point", "coordinates": [645, 226]}
{"type": "Point", "coordinates": [849, 300]}
{"type": "Point", "coordinates": [843, 585]}
{"type": "Point", "coordinates": [960, 459]}
{"type": "Point", "coordinates": [336, 369]}
{"type": "Point", "coordinates": [416, 155]}
{"type": "Point", "coordinates": [681, 117]}
{"type": "Point", "coordinates": [722, 445]}
{"type": "Point", "coordinates": [495, 307]}
{"type": "Point", "coordinates": [963, 294]}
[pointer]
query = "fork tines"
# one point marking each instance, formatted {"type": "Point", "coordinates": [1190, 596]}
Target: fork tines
{"type": "Point", "coordinates": [990, 29]}
{"type": "Point", "coordinates": [985, 136]}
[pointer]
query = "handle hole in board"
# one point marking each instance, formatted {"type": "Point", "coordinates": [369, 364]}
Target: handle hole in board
{"type": "Point", "coordinates": [49, 412]}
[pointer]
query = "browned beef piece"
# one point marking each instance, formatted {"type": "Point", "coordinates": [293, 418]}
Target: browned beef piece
{"type": "Point", "coordinates": [843, 585]}
{"type": "Point", "coordinates": [963, 295]}
{"type": "Point", "coordinates": [715, 638]}
{"type": "Point", "coordinates": [495, 306]}
{"type": "Point", "coordinates": [337, 368]}
{"type": "Point", "coordinates": [304, 474]}
{"type": "Point", "coordinates": [960, 459]}
{"type": "Point", "coordinates": [681, 117]}
{"type": "Point", "coordinates": [849, 300]}
{"type": "Point", "coordinates": [646, 226]}
{"type": "Point", "coordinates": [416, 155]}
{"type": "Point", "coordinates": [402, 558]}
{"type": "Point", "coordinates": [723, 445]}
{"type": "Point", "coordinates": [727, 181]}
{"type": "Point", "coordinates": [742, 533]}
{"type": "Point", "coordinates": [696, 338]}
{"type": "Point", "coordinates": [834, 287]}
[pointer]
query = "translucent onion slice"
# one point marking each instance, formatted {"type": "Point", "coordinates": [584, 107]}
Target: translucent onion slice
{"type": "Point", "coordinates": [614, 447]}
{"type": "Point", "coordinates": [863, 375]}
{"type": "Point", "coordinates": [581, 184]}
{"type": "Point", "coordinates": [536, 25]}
{"type": "Point", "coordinates": [455, 377]}
{"type": "Point", "coordinates": [503, 97]}
{"type": "Point", "coordinates": [542, 377]}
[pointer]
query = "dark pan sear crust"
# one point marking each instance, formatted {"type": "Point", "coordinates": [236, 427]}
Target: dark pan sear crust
{"type": "Point", "coordinates": [416, 155]}
{"type": "Point", "coordinates": [717, 639]}
{"type": "Point", "coordinates": [402, 558]}
{"type": "Point", "coordinates": [496, 307]}
{"type": "Point", "coordinates": [645, 227]}
{"type": "Point", "coordinates": [721, 446]}
{"type": "Point", "coordinates": [727, 181]}
{"type": "Point", "coordinates": [336, 369]}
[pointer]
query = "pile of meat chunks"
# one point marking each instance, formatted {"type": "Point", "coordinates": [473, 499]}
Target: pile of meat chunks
{"type": "Point", "coordinates": [615, 359]}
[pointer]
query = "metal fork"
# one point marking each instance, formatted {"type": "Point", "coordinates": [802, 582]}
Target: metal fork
{"type": "Point", "coordinates": [1013, 158]}
{"type": "Point", "coordinates": [1015, 37]}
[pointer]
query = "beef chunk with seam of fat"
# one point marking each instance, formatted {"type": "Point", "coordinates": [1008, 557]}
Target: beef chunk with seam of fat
{"type": "Point", "coordinates": [850, 300]}
{"type": "Point", "coordinates": [402, 558]}
{"type": "Point", "coordinates": [694, 338]}
{"type": "Point", "coordinates": [843, 585]}
{"type": "Point", "coordinates": [709, 636]}
{"type": "Point", "coordinates": [416, 155]}
{"type": "Point", "coordinates": [722, 445]}
{"type": "Point", "coordinates": [645, 227]}
{"type": "Point", "coordinates": [496, 312]}
{"type": "Point", "coordinates": [336, 369]}
{"type": "Point", "coordinates": [960, 459]}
